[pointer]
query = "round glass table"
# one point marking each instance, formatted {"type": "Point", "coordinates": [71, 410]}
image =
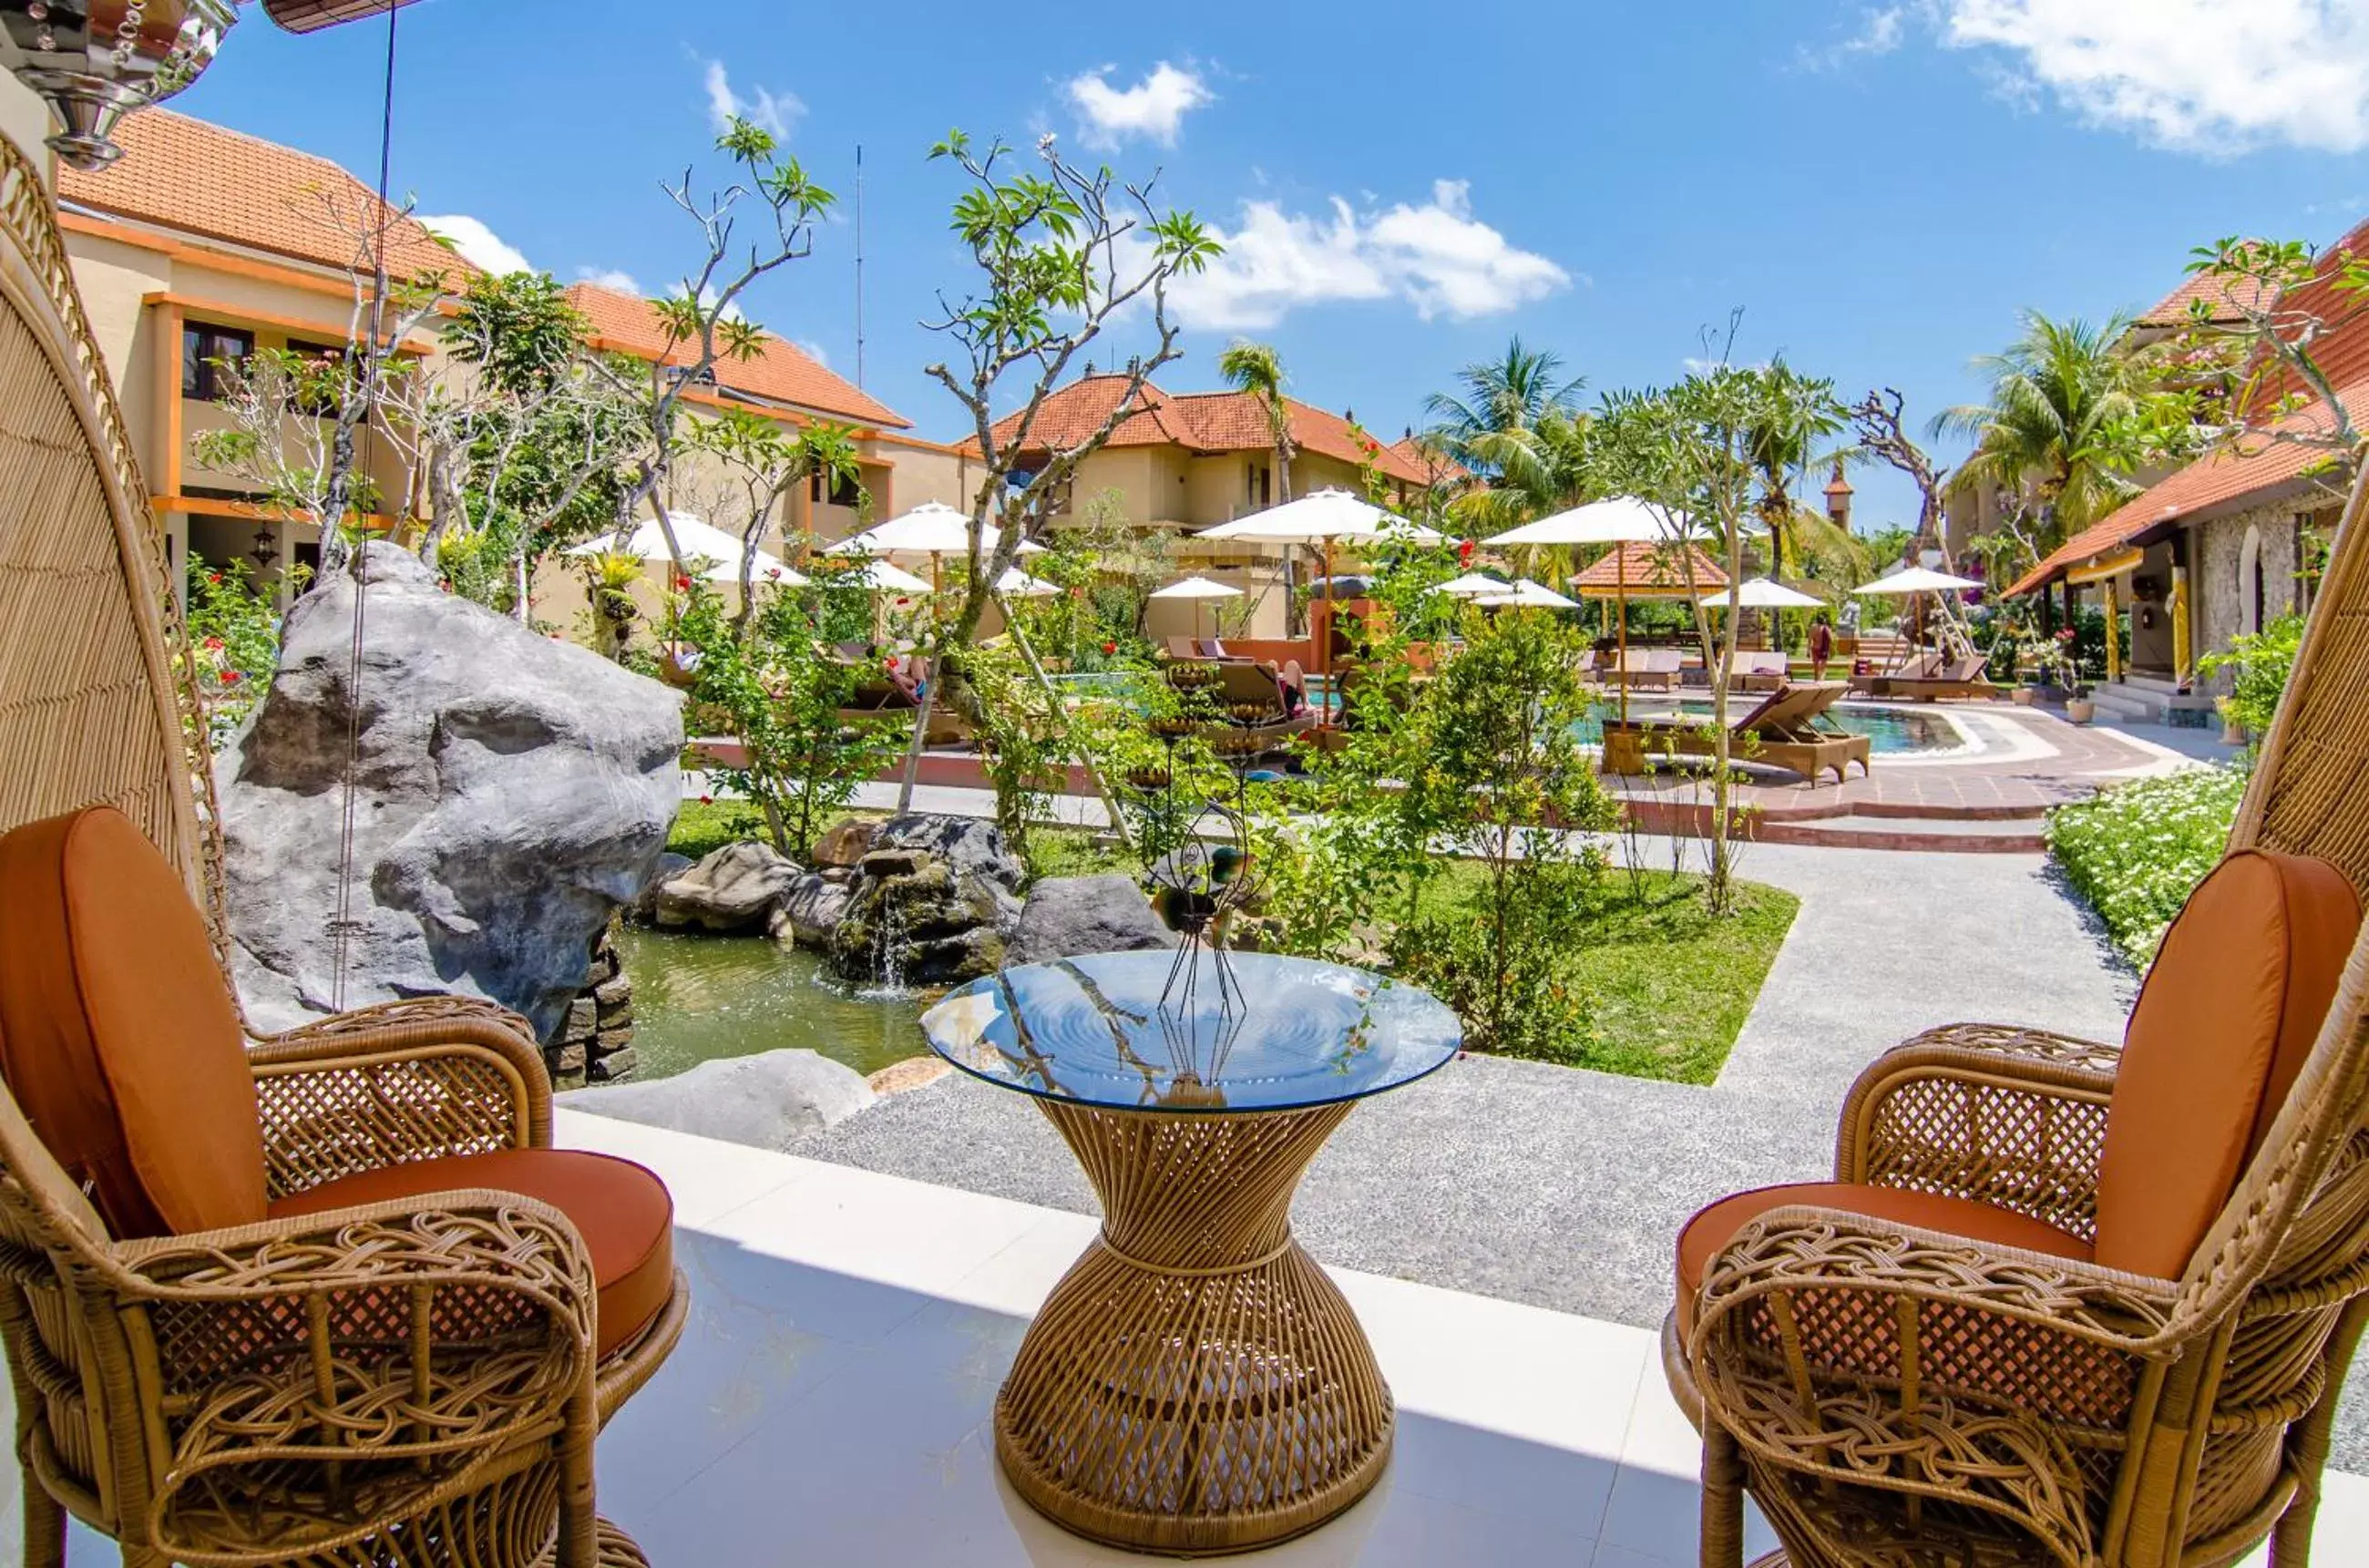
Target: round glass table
{"type": "Point", "coordinates": [1195, 1384]}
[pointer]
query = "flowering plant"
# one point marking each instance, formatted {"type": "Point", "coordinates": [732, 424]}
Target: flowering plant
{"type": "Point", "coordinates": [233, 629]}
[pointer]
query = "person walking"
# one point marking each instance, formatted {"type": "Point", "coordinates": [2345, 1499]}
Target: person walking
{"type": "Point", "coordinates": [1822, 648]}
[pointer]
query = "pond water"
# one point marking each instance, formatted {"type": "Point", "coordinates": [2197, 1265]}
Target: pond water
{"type": "Point", "coordinates": [699, 998]}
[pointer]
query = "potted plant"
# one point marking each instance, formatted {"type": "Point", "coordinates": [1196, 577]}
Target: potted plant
{"type": "Point", "coordinates": [2233, 728]}
{"type": "Point", "coordinates": [2080, 708]}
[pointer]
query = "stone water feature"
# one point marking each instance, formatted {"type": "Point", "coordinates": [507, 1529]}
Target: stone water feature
{"type": "Point", "coordinates": [934, 902]}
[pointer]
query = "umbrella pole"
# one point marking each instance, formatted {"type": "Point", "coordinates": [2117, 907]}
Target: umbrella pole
{"type": "Point", "coordinates": [1620, 603]}
{"type": "Point", "coordinates": [1326, 652]}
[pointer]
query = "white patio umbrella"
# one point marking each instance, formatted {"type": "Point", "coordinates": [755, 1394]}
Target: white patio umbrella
{"type": "Point", "coordinates": [1913, 583]}
{"type": "Point", "coordinates": [880, 576]}
{"type": "Point", "coordinates": [1527, 595]}
{"type": "Point", "coordinates": [1621, 520]}
{"type": "Point", "coordinates": [932, 529]}
{"type": "Point", "coordinates": [1196, 589]}
{"type": "Point", "coordinates": [1320, 519]}
{"type": "Point", "coordinates": [1017, 584]}
{"type": "Point", "coordinates": [1916, 579]}
{"type": "Point", "coordinates": [1764, 593]}
{"type": "Point", "coordinates": [1472, 585]}
{"type": "Point", "coordinates": [709, 551]}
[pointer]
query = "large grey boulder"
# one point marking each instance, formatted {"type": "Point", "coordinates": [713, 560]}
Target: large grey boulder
{"type": "Point", "coordinates": [769, 1101]}
{"type": "Point", "coordinates": [970, 847]}
{"type": "Point", "coordinates": [810, 914]}
{"type": "Point", "coordinates": [933, 904]}
{"type": "Point", "coordinates": [1067, 916]}
{"type": "Point", "coordinates": [510, 792]}
{"type": "Point", "coordinates": [734, 888]}
{"type": "Point", "coordinates": [670, 865]}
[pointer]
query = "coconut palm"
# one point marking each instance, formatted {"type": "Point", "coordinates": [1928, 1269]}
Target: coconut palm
{"type": "Point", "coordinates": [2064, 401]}
{"type": "Point", "coordinates": [1799, 415]}
{"type": "Point", "coordinates": [1517, 425]}
{"type": "Point", "coordinates": [1257, 369]}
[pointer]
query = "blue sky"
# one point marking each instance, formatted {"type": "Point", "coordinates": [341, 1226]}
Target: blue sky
{"type": "Point", "coordinates": [1878, 187]}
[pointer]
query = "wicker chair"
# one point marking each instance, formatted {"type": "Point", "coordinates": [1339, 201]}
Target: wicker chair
{"type": "Point", "coordinates": [401, 1362]}
{"type": "Point", "coordinates": [1992, 1340]}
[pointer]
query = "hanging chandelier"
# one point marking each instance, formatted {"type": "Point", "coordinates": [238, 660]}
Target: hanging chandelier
{"type": "Point", "coordinates": [96, 61]}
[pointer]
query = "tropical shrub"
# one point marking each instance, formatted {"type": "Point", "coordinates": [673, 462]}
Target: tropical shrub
{"type": "Point", "coordinates": [780, 693]}
{"type": "Point", "coordinates": [2136, 852]}
{"type": "Point", "coordinates": [2262, 662]}
{"type": "Point", "coordinates": [234, 630]}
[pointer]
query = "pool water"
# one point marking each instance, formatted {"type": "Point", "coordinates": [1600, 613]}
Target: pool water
{"type": "Point", "coordinates": [701, 998]}
{"type": "Point", "coordinates": [1893, 731]}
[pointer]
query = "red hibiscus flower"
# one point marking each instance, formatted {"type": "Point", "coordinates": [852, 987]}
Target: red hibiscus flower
{"type": "Point", "coordinates": [681, 584]}
{"type": "Point", "coordinates": [213, 644]}
{"type": "Point", "coordinates": [232, 677]}
{"type": "Point", "coordinates": [1110, 648]}
{"type": "Point", "coordinates": [707, 800]}
{"type": "Point", "coordinates": [1464, 549]}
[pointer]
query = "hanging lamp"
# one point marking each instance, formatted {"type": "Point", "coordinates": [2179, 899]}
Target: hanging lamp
{"type": "Point", "coordinates": [96, 60]}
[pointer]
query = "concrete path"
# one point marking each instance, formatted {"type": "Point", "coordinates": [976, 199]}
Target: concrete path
{"type": "Point", "coordinates": [1563, 1189]}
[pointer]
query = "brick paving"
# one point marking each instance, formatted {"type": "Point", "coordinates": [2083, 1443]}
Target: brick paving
{"type": "Point", "coordinates": [2031, 761]}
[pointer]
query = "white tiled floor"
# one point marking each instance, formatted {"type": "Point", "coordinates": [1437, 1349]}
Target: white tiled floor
{"type": "Point", "coordinates": [827, 1407]}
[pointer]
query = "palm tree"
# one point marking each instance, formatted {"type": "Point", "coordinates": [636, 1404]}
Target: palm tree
{"type": "Point", "coordinates": [1517, 425]}
{"type": "Point", "coordinates": [2063, 396]}
{"type": "Point", "coordinates": [1257, 369]}
{"type": "Point", "coordinates": [1799, 414]}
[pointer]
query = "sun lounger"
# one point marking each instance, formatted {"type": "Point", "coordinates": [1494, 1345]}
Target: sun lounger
{"type": "Point", "coordinates": [1790, 729]}
{"type": "Point", "coordinates": [1646, 670]}
{"type": "Point", "coordinates": [1935, 679]}
{"type": "Point", "coordinates": [1758, 671]}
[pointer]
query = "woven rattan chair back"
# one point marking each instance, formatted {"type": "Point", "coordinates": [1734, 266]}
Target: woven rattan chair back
{"type": "Point", "coordinates": [229, 1401]}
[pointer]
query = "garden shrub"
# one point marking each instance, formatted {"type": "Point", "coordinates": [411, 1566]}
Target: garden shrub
{"type": "Point", "coordinates": [233, 629]}
{"type": "Point", "coordinates": [2262, 661]}
{"type": "Point", "coordinates": [2136, 852]}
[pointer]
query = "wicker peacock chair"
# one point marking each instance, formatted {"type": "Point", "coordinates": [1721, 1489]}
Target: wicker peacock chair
{"type": "Point", "coordinates": [2070, 1303]}
{"type": "Point", "coordinates": [389, 1354]}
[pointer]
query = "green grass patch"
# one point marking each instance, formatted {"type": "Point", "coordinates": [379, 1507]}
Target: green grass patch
{"type": "Point", "coordinates": [1669, 985]}
{"type": "Point", "coordinates": [1066, 852]}
{"type": "Point", "coordinates": [2137, 851]}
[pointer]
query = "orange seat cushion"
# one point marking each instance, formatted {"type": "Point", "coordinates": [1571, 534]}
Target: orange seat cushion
{"type": "Point", "coordinates": [623, 1212]}
{"type": "Point", "coordinates": [117, 1034]}
{"type": "Point", "coordinates": [2224, 1025]}
{"type": "Point", "coordinates": [1716, 1226]}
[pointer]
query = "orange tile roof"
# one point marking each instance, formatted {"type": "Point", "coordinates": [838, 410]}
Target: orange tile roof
{"type": "Point", "coordinates": [2223, 296]}
{"type": "Point", "coordinates": [211, 183]}
{"type": "Point", "coordinates": [1201, 422]}
{"type": "Point", "coordinates": [2213, 485]}
{"type": "Point", "coordinates": [1650, 571]}
{"type": "Point", "coordinates": [780, 371]}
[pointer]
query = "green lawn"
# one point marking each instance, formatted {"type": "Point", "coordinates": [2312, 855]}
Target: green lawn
{"type": "Point", "coordinates": [1671, 987]}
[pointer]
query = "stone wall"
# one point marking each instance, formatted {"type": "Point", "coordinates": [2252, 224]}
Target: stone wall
{"type": "Point", "coordinates": [595, 1045]}
{"type": "Point", "coordinates": [2220, 592]}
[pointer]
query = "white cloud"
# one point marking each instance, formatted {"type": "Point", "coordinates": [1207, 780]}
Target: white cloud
{"type": "Point", "coordinates": [611, 278]}
{"type": "Point", "coordinates": [1153, 108]}
{"type": "Point", "coordinates": [2215, 76]}
{"type": "Point", "coordinates": [772, 112]}
{"type": "Point", "coordinates": [814, 350]}
{"type": "Point", "coordinates": [1881, 30]}
{"type": "Point", "coordinates": [1436, 256]}
{"type": "Point", "coordinates": [478, 245]}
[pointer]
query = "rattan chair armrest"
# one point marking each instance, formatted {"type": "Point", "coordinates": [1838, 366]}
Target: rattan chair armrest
{"type": "Point", "coordinates": [418, 1344]}
{"type": "Point", "coordinates": [1842, 1347]}
{"type": "Point", "coordinates": [2009, 1116]}
{"type": "Point", "coordinates": [406, 1081]}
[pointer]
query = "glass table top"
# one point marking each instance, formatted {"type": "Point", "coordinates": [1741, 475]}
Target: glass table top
{"type": "Point", "coordinates": [1271, 1033]}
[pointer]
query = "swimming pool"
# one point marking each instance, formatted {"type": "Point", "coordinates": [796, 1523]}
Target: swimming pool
{"type": "Point", "coordinates": [1893, 732]}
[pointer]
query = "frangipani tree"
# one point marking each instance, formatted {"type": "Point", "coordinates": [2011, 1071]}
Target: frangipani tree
{"type": "Point", "coordinates": [1061, 251]}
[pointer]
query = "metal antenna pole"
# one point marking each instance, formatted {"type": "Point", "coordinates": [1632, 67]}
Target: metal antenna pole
{"type": "Point", "coordinates": [858, 266]}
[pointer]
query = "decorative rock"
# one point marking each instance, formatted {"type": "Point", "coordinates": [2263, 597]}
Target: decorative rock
{"type": "Point", "coordinates": [615, 992]}
{"type": "Point", "coordinates": [847, 843]}
{"type": "Point", "coordinates": [914, 1072]}
{"type": "Point", "coordinates": [1069, 915]}
{"type": "Point", "coordinates": [769, 1101]}
{"type": "Point", "coordinates": [567, 1059]}
{"type": "Point", "coordinates": [913, 917]}
{"type": "Point", "coordinates": [733, 890]}
{"type": "Point", "coordinates": [512, 791]}
{"type": "Point", "coordinates": [810, 914]}
{"type": "Point", "coordinates": [615, 1065]}
{"type": "Point", "coordinates": [971, 846]}
{"type": "Point", "coordinates": [670, 865]}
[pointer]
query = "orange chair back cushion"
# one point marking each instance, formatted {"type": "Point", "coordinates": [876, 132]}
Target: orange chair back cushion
{"type": "Point", "coordinates": [2225, 1023]}
{"type": "Point", "coordinates": [118, 1035]}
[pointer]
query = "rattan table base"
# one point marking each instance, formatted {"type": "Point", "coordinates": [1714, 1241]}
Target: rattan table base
{"type": "Point", "coordinates": [1195, 1384]}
